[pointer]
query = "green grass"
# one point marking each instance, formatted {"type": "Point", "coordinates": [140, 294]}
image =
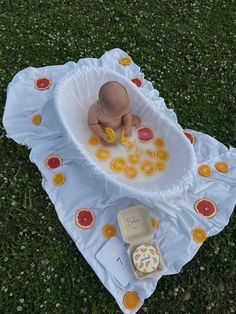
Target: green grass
{"type": "Point", "coordinates": [187, 49]}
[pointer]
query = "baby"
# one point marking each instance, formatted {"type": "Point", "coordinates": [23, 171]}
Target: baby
{"type": "Point", "coordinates": [112, 109]}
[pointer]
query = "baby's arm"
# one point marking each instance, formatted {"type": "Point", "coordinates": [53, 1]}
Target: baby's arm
{"type": "Point", "coordinates": [127, 123]}
{"type": "Point", "coordinates": [95, 126]}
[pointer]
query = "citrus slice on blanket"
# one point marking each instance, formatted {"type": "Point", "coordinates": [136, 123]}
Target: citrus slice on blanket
{"type": "Point", "coordinates": [102, 153]}
{"type": "Point", "coordinates": [204, 170]}
{"type": "Point", "coordinates": [109, 231]}
{"type": "Point", "coordinates": [124, 139]}
{"type": "Point", "coordinates": [205, 207]}
{"type": "Point", "coordinates": [145, 134]}
{"type": "Point", "coordinates": [130, 172]}
{"type": "Point", "coordinates": [150, 153]}
{"type": "Point", "coordinates": [36, 119]}
{"type": "Point", "coordinates": [84, 218]}
{"type": "Point", "coordinates": [53, 162]}
{"type": "Point", "coordinates": [222, 166]}
{"type": "Point", "coordinates": [154, 223]}
{"type": "Point", "coordinates": [131, 300]}
{"type": "Point", "coordinates": [162, 154]}
{"type": "Point", "coordinates": [133, 158]}
{"type": "Point", "coordinates": [58, 178]}
{"type": "Point", "coordinates": [160, 166]}
{"type": "Point", "coordinates": [42, 83]}
{"type": "Point", "coordinates": [125, 61]}
{"type": "Point", "coordinates": [159, 142]}
{"type": "Point", "coordinates": [147, 167]}
{"type": "Point", "coordinates": [93, 140]}
{"type": "Point", "coordinates": [118, 164]}
{"type": "Point", "coordinates": [137, 81]}
{"type": "Point", "coordinates": [199, 235]}
{"type": "Point", "coordinates": [111, 134]}
{"type": "Point", "coordinates": [190, 136]}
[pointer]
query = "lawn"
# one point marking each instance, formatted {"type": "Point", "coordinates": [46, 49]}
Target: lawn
{"type": "Point", "coordinates": [187, 49]}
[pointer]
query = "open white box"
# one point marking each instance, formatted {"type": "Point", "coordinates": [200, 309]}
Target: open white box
{"type": "Point", "coordinates": [136, 229]}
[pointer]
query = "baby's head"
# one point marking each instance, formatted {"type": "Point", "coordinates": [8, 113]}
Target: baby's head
{"type": "Point", "coordinates": [113, 98]}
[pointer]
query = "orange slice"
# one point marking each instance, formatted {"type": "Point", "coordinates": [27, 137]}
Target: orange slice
{"type": "Point", "coordinates": [125, 61]}
{"type": "Point", "coordinates": [204, 170]}
{"type": "Point", "coordinates": [118, 164]}
{"type": "Point", "coordinates": [222, 166]}
{"type": "Point", "coordinates": [111, 134]}
{"type": "Point", "coordinates": [131, 300]}
{"type": "Point", "coordinates": [124, 139]}
{"type": "Point", "coordinates": [36, 119]}
{"type": "Point", "coordinates": [133, 158]}
{"type": "Point", "coordinates": [159, 142]}
{"type": "Point", "coordinates": [150, 153]}
{"type": "Point", "coordinates": [130, 172]}
{"type": "Point", "coordinates": [199, 235]}
{"type": "Point", "coordinates": [160, 166]}
{"type": "Point", "coordinates": [102, 153]}
{"type": "Point", "coordinates": [109, 231]}
{"type": "Point", "coordinates": [147, 167]}
{"type": "Point", "coordinates": [154, 223]}
{"type": "Point", "coordinates": [162, 154]}
{"type": "Point", "coordinates": [58, 178]}
{"type": "Point", "coordinates": [93, 140]}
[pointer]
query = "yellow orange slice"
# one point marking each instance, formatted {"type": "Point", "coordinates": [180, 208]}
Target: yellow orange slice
{"type": "Point", "coordinates": [130, 172]}
{"type": "Point", "coordinates": [109, 231]}
{"type": "Point", "coordinates": [58, 178]}
{"type": "Point", "coordinates": [93, 140]}
{"type": "Point", "coordinates": [160, 166]}
{"type": "Point", "coordinates": [199, 235]}
{"type": "Point", "coordinates": [124, 139]}
{"type": "Point", "coordinates": [125, 61]}
{"type": "Point", "coordinates": [102, 153]}
{"type": "Point", "coordinates": [162, 154]}
{"type": "Point", "coordinates": [150, 153]}
{"type": "Point", "coordinates": [204, 170]}
{"type": "Point", "coordinates": [118, 164]}
{"type": "Point", "coordinates": [222, 166]}
{"type": "Point", "coordinates": [36, 119]}
{"type": "Point", "coordinates": [133, 158]}
{"type": "Point", "coordinates": [131, 300]}
{"type": "Point", "coordinates": [159, 142]}
{"type": "Point", "coordinates": [111, 134]}
{"type": "Point", "coordinates": [147, 167]}
{"type": "Point", "coordinates": [154, 223]}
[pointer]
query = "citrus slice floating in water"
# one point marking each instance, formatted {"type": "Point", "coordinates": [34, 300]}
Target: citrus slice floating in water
{"type": "Point", "coordinates": [36, 119]}
{"type": "Point", "coordinates": [42, 83]}
{"type": "Point", "coordinates": [93, 140]}
{"type": "Point", "coordinates": [111, 134]}
{"type": "Point", "coordinates": [125, 61]}
{"type": "Point", "coordinates": [109, 231]}
{"type": "Point", "coordinates": [102, 153]}
{"type": "Point", "coordinates": [130, 172]}
{"type": "Point", "coordinates": [160, 166]}
{"type": "Point", "coordinates": [145, 134]}
{"type": "Point", "coordinates": [118, 164]}
{"type": "Point", "coordinates": [222, 166]}
{"type": "Point", "coordinates": [159, 142]}
{"type": "Point", "coordinates": [147, 167]}
{"type": "Point", "coordinates": [58, 178]}
{"type": "Point", "coordinates": [84, 218]}
{"type": "Point", "coordinates": [190, 136]}
{"type": "Point", "coordinates": [124, 139]}
{"type": "Point", "coordinates": [162, 154]}
{"type": "Point", "coordinates": [131, 300]}
{"type": "Point", "coordinates": [199, 235]}
{"type": "Point", "coordinates": [204, 170]}
{"type": "Point", "coordinates": [53, 162]}
{"type": "Point", "coordinates": [133, 158]}
{"type": "Point", "coordinates": [154, 223]}
{"type": "Point", "coordinates": [206, 208]}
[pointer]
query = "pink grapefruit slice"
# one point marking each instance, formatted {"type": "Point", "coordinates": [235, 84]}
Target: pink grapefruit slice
{"type": "Point", "coordinates": [42, 83]}
{"type": "Point", "coordinates": [145, 134]}
{"type": "Point", "coordinates": [190, 136]}
{"type": "Point", "coordinates": [137, 81]}
{"type": "Point", "coordinates": [53, 162]}
{"type": "Point", "coordinates": [84, 218]}
{"type": "Point", "coordinates": [205, 207]}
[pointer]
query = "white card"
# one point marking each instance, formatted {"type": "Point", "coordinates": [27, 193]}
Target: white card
{"type": "Point", "coordinates": [114, 257]}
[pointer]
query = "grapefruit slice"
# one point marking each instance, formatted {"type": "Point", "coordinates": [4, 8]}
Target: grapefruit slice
{"type": "Point", "coordinates": [124, 139]}
{"type": "Point", "coordinates": [133, 158]}
{"type": "Point", "coordinates": [190, 136]}
{"type": "Point", "coordinates": [130, 172]}
{"type": "Point", "coordinates": [109, 231]}
{"type": "Point", "coordinates": [93, 140]}
{"type": "Point", "coordinates": [160, 166]}
{"type": "Point", "coordinates": [84, 218]}
{"type": "Point", "coordinates": [118, 164]}
{"type": "Point", "coordinates": [102, 153]}
{"type": "Point", "coordinates": [137, 81]}
{"type": "Point", "coordinates": [154, 223]}
{"type": "Point", "coordinates": [111, 134]}
{"type": "Point", "coordinates": [36, 119]}
{"type": "Point", "coordinates": [131, 300]}
{"type": "Point", "coordinates": [205, 207]}
{"type": "Point", "coordinates": [58, 178]}
{"type": "Point", "coordinates": [53, 162]}
{"type": "Point", "coordinates": [162, 154]}
{"type": "Point", "coordinates": [204, 170]}
{"type": "Point", "coordinates": [147, 167]}
{"type": "Point", "coordinates": [125, 61]}
{"type": "Point", "coordinates": [42, 83]}
{"type": "Point", "coordinates": [159, 142]}
{"type": "Point", "coordinates": [145, 134]}
{"type": "Point", "coordinates": [222, 166]}
{"type": "Point", "coordinates": [199, 235]}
